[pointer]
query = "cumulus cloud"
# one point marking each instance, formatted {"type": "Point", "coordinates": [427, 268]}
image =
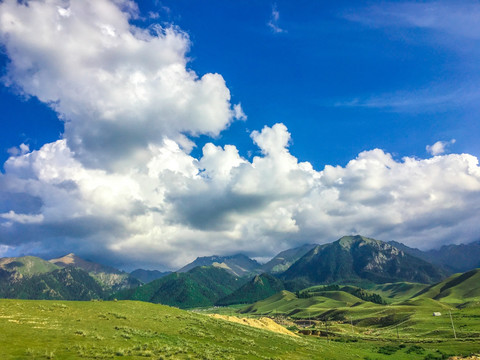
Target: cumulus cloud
{"type": "Point", "coordinates": [122, 185]}
{"type": "Point", "coordinates": [439, 147]}
{"type": "Point", "coordinates": [109, 80]}
{"type": "Point", "coordinates": [180, 207]}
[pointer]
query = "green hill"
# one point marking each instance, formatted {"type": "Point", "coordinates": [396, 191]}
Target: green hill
{"type": "Point", "coordinates": [260, 287]}
{"type": "Point", "coordinates": [27, 265]}
{"type": "Point", "coordinates": [458, 289]}
{"type": "Point", "coordinates": [357, 259]}
{"type": "Point", "coordinates": [327, 304]}
{"type": "Point", "coordinates": [398, 291]}
{"type": "Point", "coordinates": [201, 286]}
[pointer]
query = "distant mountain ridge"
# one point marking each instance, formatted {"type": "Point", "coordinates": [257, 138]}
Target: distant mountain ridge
{"type": "Point", "coordinates": [67, 278]}
{"type": "Point", "coordinates": [455, 258]}
{"type": "Point", "coordinates": [238, 265]}
{"type": "Point", "coordinates": [283, 260]}
{"type": "Point", "coordinates": [147, 276]}
{"type": "Point", "coordinates": [110, 278]}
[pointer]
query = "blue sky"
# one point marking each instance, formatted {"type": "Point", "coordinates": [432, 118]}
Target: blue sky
{"type": "Point", "coordinates": [344, 78]}
{"type": "Point", "coordinates": [333, 71]}
{"type": "Point", "coordinates": [337, 71]}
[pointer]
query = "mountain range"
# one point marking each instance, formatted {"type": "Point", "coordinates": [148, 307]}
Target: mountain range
{"type": "Point", "coordinates": [235, 279]}
{"type": "Point", "coordinates": [108, 277]}
{"type": "Point", "coordinates": [453, 258]}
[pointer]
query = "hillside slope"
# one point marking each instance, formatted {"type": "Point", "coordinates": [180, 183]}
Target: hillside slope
{"type": "Point", "coordinates": [458, 289]}
{"type": "Point", "coordinates": [259, 288]}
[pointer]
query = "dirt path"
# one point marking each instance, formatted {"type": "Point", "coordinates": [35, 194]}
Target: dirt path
{"type": "Point", "coordinates": [262, 323]}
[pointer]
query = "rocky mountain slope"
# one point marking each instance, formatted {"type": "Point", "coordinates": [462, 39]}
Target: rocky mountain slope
{"type": "Point", "coordinates": [353, 259]}
{"type": "Point", "coordinates": [110, 278]}
{"type": "Point", "coordinates": [237, 265]}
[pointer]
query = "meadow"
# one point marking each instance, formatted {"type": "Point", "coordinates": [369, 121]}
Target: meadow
{"type": "Point", "coordinates": [41, 329]}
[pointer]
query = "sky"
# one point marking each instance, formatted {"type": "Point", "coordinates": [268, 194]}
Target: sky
{"type": "Point", "coordinates": [147, 134]}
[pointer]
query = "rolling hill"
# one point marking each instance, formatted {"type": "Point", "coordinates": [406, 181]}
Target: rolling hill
{"type": "Point", "coordinates": [461, 289]}
{"type": "Point", "coordinates": [398, 291]}
{"type": "Point", "coordinates": [356, 259]}
{"type": "Point", "coordinates": [288, 304]}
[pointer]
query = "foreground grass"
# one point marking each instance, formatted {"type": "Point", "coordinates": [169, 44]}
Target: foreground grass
{"type": "Point", "coordinates": [136, 330]}
{"type": "Point", "coordinates": [131, 330]}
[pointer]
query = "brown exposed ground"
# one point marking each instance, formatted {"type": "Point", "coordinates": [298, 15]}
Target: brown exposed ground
{"type": "Point", "coordinates": [261, 323]}
{"type": "Point", "coordinates": [473, 357]}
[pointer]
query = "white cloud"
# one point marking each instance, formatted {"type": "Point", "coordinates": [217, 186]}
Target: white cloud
{"type": "Point", "coordinates": [123, 185]}
{"type": "Point", "coordinates": [21, 218]}
{"type": "Point", "coordinates": [108, 79]}
{"type": "Point", "coordinates": [274, 19]}
{"type": "Point", "coordinates": [177, 207]}
{"type": "Point", "coordinates": [238, 112]}
{"type": "Point", "coordinates": [457, 19]}
{"type": "Point", "coordinates": [20, 150]}
{"type": "Point", "coordinates": [439, 147]}
{"type": "Point", "coordinates": [418, 100]}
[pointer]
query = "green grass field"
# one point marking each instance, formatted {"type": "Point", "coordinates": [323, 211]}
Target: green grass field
{"type": "Point", "coordinates": [137, 330]}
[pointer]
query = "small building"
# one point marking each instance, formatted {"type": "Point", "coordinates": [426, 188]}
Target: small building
{"type": "Point", "coordinates": [437, 314]}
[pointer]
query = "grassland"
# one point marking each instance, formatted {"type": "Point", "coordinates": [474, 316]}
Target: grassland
{"type": "Point", "coordinates": [135, 330]}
